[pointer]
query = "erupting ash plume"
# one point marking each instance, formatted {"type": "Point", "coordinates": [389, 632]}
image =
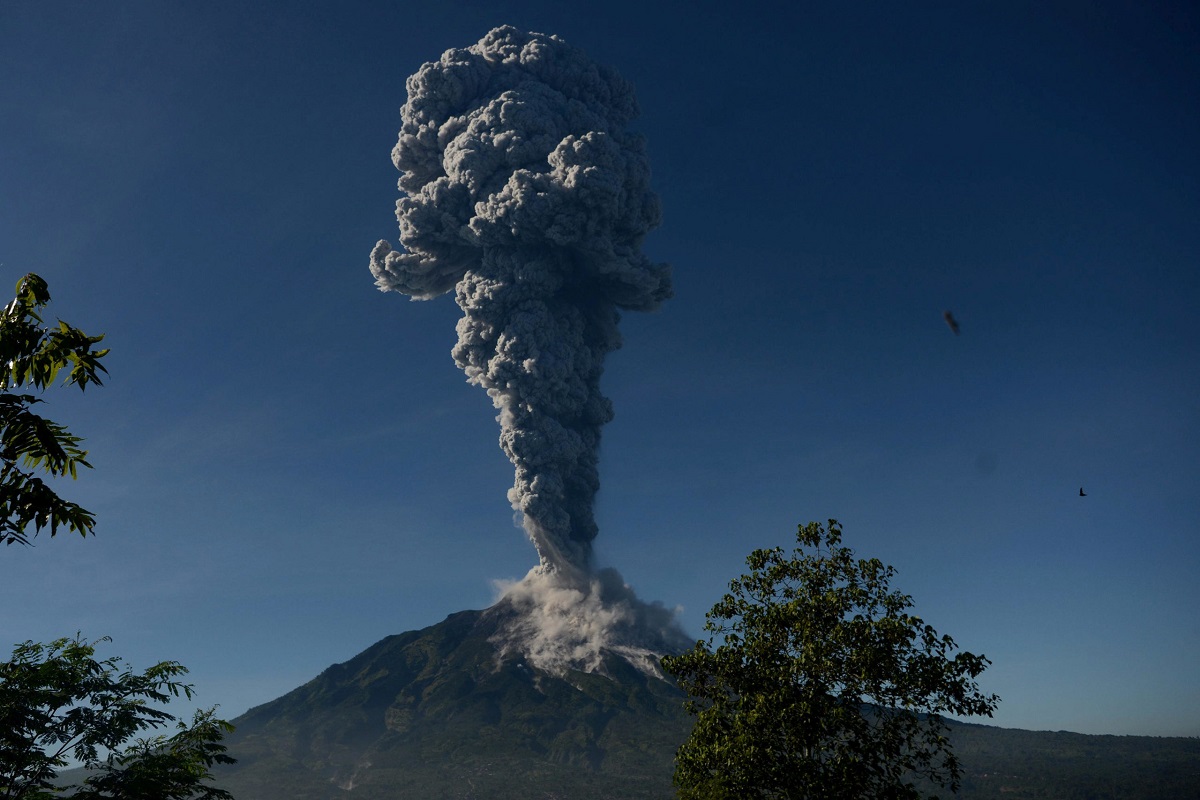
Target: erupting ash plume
{"type": "Point", "coordinates": [524, 192]}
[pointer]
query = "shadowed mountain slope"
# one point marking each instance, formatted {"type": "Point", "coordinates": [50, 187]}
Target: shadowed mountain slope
{"type": "Point", "coordinates": [434, 714]}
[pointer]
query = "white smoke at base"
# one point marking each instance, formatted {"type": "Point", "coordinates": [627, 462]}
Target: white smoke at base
{"type": "Point", "coordinates": [570, 620]}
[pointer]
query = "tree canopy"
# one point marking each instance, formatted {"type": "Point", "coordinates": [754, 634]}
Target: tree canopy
{"type": "Point", "coordinates": [817, 682]}
{"type": "Point", "coordinates": [58, 702]}
{"type": "Point", "coordinates": [34, 354]}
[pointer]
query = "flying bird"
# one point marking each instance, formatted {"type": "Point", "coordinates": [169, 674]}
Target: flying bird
{"type": "Point", "coordinates": [1082, 493]}
{"type": "Point", "coordinates": [951, 321]}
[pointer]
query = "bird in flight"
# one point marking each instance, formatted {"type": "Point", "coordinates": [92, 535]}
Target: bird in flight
{"type": "Point", "coordinates": [1082, 493]}
{"type": "Point", "coordinates": [951, 321]}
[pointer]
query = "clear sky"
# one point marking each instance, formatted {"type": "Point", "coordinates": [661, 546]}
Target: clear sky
{"type": "Point", "coordinates": [289, 467]}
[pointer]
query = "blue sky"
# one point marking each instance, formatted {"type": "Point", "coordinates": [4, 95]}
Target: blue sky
{"type": "Point", "coordinates": [289, 466]}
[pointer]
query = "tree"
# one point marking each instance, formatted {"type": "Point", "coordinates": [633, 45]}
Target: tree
{"type": "Point", "coordinates": [34, 354]}
{"type": "Point", "coordinates": [822, 684]}
{"type": "Point", "coordinates": [58, 702]}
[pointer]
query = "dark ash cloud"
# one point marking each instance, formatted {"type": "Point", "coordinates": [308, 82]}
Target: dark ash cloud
{"type": "Point", "coordinates": [525, 193]}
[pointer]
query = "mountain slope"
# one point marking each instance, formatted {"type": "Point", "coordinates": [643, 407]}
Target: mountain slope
{"type": "Point", "coordinates": [1013, 764]}
{"type": "Point", "coordinates": [434, 714]}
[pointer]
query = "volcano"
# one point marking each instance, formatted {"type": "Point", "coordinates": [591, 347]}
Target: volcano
{"type": "Point", "coordinates": [444, 712]}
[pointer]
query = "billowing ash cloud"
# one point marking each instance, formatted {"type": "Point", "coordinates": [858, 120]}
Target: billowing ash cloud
{"type": "Point", "coordinates": [524, 192]}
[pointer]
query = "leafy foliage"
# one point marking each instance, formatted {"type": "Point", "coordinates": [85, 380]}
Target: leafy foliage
{"type": "Point", "coordinates": [34, 354]}
{"type": "Point", "coordinates": [57, 702]}
{"type": "Point", "coordinates": [822, 685]}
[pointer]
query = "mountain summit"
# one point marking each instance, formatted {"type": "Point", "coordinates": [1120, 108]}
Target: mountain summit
{"type": "Point", "coordinates": [450, 712]}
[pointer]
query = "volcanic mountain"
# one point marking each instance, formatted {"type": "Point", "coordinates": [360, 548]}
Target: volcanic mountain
{"type": "Point", "coordinates": [444, 712]}
{"type": "Point", "coordinates": [447, 712]}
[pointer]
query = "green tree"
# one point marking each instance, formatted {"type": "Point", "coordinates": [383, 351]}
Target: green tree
{"type": "Point", "coordinates": [34, 354]}
{"type": "Point", "coordinates": [58, 702]}
{"type": "Point", "coordinates": [817, 682]}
